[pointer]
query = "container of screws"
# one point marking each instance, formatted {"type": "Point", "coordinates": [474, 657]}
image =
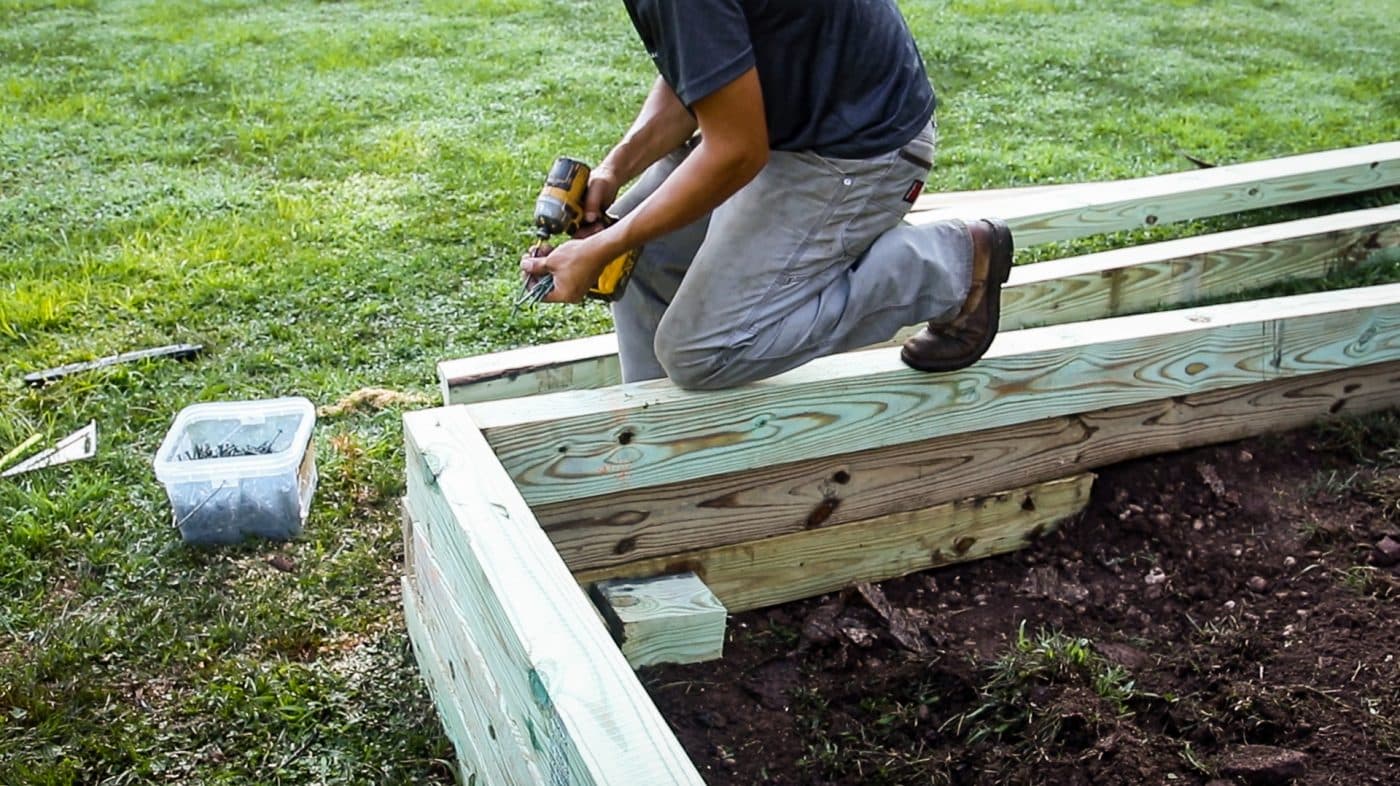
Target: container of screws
{"type": "Point", "coordinates": [240, 468]}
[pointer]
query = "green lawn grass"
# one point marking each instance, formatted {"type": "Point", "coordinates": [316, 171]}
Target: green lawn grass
{"type": "Point", "coordinates": [332, 195]}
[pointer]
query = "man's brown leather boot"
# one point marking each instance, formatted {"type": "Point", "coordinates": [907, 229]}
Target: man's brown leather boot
{"type": "Point", "coordinates": [960, 342]}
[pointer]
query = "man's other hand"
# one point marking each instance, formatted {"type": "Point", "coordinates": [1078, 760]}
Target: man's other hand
{"type": "Point", "coordinates": [603, 185]}
{"type": "Point", "coordinates": [575, 266]}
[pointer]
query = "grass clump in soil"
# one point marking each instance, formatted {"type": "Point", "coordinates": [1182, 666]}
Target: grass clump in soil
{"type": "Point", "coordinates": [1048, 697]}
{"type": "Point", "coordinates": [1051, 694]}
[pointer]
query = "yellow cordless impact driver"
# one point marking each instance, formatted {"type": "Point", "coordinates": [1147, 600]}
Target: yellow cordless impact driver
{"type": "Point", "coordinates": [559, 210]}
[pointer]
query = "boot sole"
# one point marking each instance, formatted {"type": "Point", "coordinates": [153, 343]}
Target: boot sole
{"type": "Point", "coordinates": [1003, 248]}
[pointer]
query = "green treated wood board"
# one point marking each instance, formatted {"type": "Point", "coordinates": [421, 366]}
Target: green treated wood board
{"type": "Point", "coordinates": [830, 490]}
{"type": "Point", "coordinates": [804, 564]}
{"type": "Point", "coordinates": [490, 680]}
{"type": "Point", "coordinates": [470, 762]}
{"type": "Point", "coordinates": [663, 619]}
{"type": "Point", "coordinates": [1140, 279]}
{"type": "Point", "coordinates": [1161, 199]}
{"type": "Point", "coordinates": [592, 443]}
{"type": "Point", "coordinates": [563, 365]}
{"type": "Point", "coordinates": [588, 717]}
{"type": "Point", "coordinates": [1094, 286]}
{"type": "Point", "coordinates": [498, 733]}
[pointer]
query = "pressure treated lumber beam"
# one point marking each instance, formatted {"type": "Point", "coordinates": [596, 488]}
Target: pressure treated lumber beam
{"type": "Point", "coordinates": [489, 742]}
{"type": "Point", "coordinates": [803, 564]}
{"type": "Point", "coordinates": [578, 364]}
{"type": "Point", "coordinates": [1160, 199]}
{"type": "Point", "coordinates": [556, 671]}
{"type": "Point", "coordinates": [838, 489]}
{"type": "Point", "coordinates": [593, 443]}
{"type": "Point", "coordinates": [946, 200]}
{"type": "Point", "coordinates": [663, 619]}
{"type": "Point", "coordinates": [1112, 283]}
{"type": "Point", "coordinates": [1139, 279]}
{"type": "Point", "coordinates": [452, 706]}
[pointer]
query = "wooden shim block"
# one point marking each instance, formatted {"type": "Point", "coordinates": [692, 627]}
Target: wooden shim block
{"type": "Point", "coordinates": [838, 489]}
{"type": "Point", "coordinates": [663, 619]}
{"type": "Point", "coordinates": [1111, 283]}
{"type": "Point", "coordinates": [799, 565]}
{"type": "Point", "coordinates": [1149, 201]}
{"type": "Point", "coordinates": [586, 715]}
{"type": "Point", "coordinates": [600, 442]}
{"type": "Point", "coordinates": [450, 706]}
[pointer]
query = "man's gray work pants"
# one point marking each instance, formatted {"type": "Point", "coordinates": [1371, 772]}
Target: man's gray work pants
{"type": "Point", "coordinates": [808, 259]}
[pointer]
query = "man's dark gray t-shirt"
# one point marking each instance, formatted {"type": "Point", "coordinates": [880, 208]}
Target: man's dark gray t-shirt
{"type": "Point", "coordinates": [842, 78]}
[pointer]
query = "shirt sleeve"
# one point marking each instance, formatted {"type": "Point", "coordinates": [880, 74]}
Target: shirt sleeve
{"type": "Point", "coordinates": [698, 46]}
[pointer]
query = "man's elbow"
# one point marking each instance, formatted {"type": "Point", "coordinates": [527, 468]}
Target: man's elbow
{"type": "Point", "coordinates": [742, 163]}
{"type": "Point", "coordinates": [753, 161]}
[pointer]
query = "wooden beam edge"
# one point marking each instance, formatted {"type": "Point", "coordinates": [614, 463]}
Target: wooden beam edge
{"type": "Point", "coordinates": [597, 711]}
{"type": "Point", "coordinates": [450, 709]}
{"type": "Point", "coordinates": [1189, 195]}
{"type": "Point", "coordinates": [853, 486]}
{"type": "Point", "coordinates": [798, 565]}
{"type": "Point", "coordinates": [1240, 173]}
{"type": "Point", "coordinates": [592, 443]}
{"type": "Point", "coordinates": [1104, 283]}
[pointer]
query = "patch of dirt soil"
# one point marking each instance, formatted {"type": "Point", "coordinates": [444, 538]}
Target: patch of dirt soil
{"type": "Point", "coordinates": [1219, 616]}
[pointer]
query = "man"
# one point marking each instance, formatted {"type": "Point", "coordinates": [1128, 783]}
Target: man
{"type": "Point", "coordinates": [774, 236]}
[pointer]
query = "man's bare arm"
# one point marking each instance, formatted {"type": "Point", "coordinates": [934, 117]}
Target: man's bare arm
{"type": "Point", "coordinates": [662, 124]}
{"type": "Point", "coordinates": [733, 149]}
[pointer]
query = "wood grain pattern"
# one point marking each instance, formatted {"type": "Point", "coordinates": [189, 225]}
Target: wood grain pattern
{"type": "Point", "coordinates": [1149, 201]}
{"type": "Point", "coordinates": [499, 732]}
{"type": "Point", "coordinates": [803, 564]}
{"type": "Point", "coordinates": [562, 365]}
{"type": "Point", "coordinates": [1094, 286]}
{"type": "Point", "coordinates": [1140, 279]}
{"type": "Point", "coordinates": [592, 443]}
{"type": "Point", "coordinates": [454, 707]}
{"type": "Point", "coordinates": [663, 618]}
{"type": "Point", "coordinates": [585, 714]}
{"type": "Point", "coordinates": [853, 486]}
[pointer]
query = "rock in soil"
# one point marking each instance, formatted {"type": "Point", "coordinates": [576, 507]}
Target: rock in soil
{"type": "Point", "coordinates": [1263, 765]}
{"type": "Point", "coordinates": [1387, 551]}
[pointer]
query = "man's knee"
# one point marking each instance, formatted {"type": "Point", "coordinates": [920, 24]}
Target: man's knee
{"type": "Point", "coordinates": [691, 366]}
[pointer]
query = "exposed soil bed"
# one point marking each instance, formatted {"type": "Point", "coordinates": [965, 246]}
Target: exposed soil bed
{"type": "Point", "coordinates": [1223, 615]}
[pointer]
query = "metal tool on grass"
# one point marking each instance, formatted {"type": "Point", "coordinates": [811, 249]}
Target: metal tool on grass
{"type": "Point", "coordinates": [79, 445]}
{"type": "Point", "coordinates": [178, 351]}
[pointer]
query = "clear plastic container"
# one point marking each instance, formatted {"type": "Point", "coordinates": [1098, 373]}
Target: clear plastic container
{"type": "Point", "coordinates": [240, 468]}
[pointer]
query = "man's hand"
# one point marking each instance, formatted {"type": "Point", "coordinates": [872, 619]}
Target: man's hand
{"type": "Point", "coordinates": [575, 266]}
{"type": "Point", "coordinates": [603, 186]}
